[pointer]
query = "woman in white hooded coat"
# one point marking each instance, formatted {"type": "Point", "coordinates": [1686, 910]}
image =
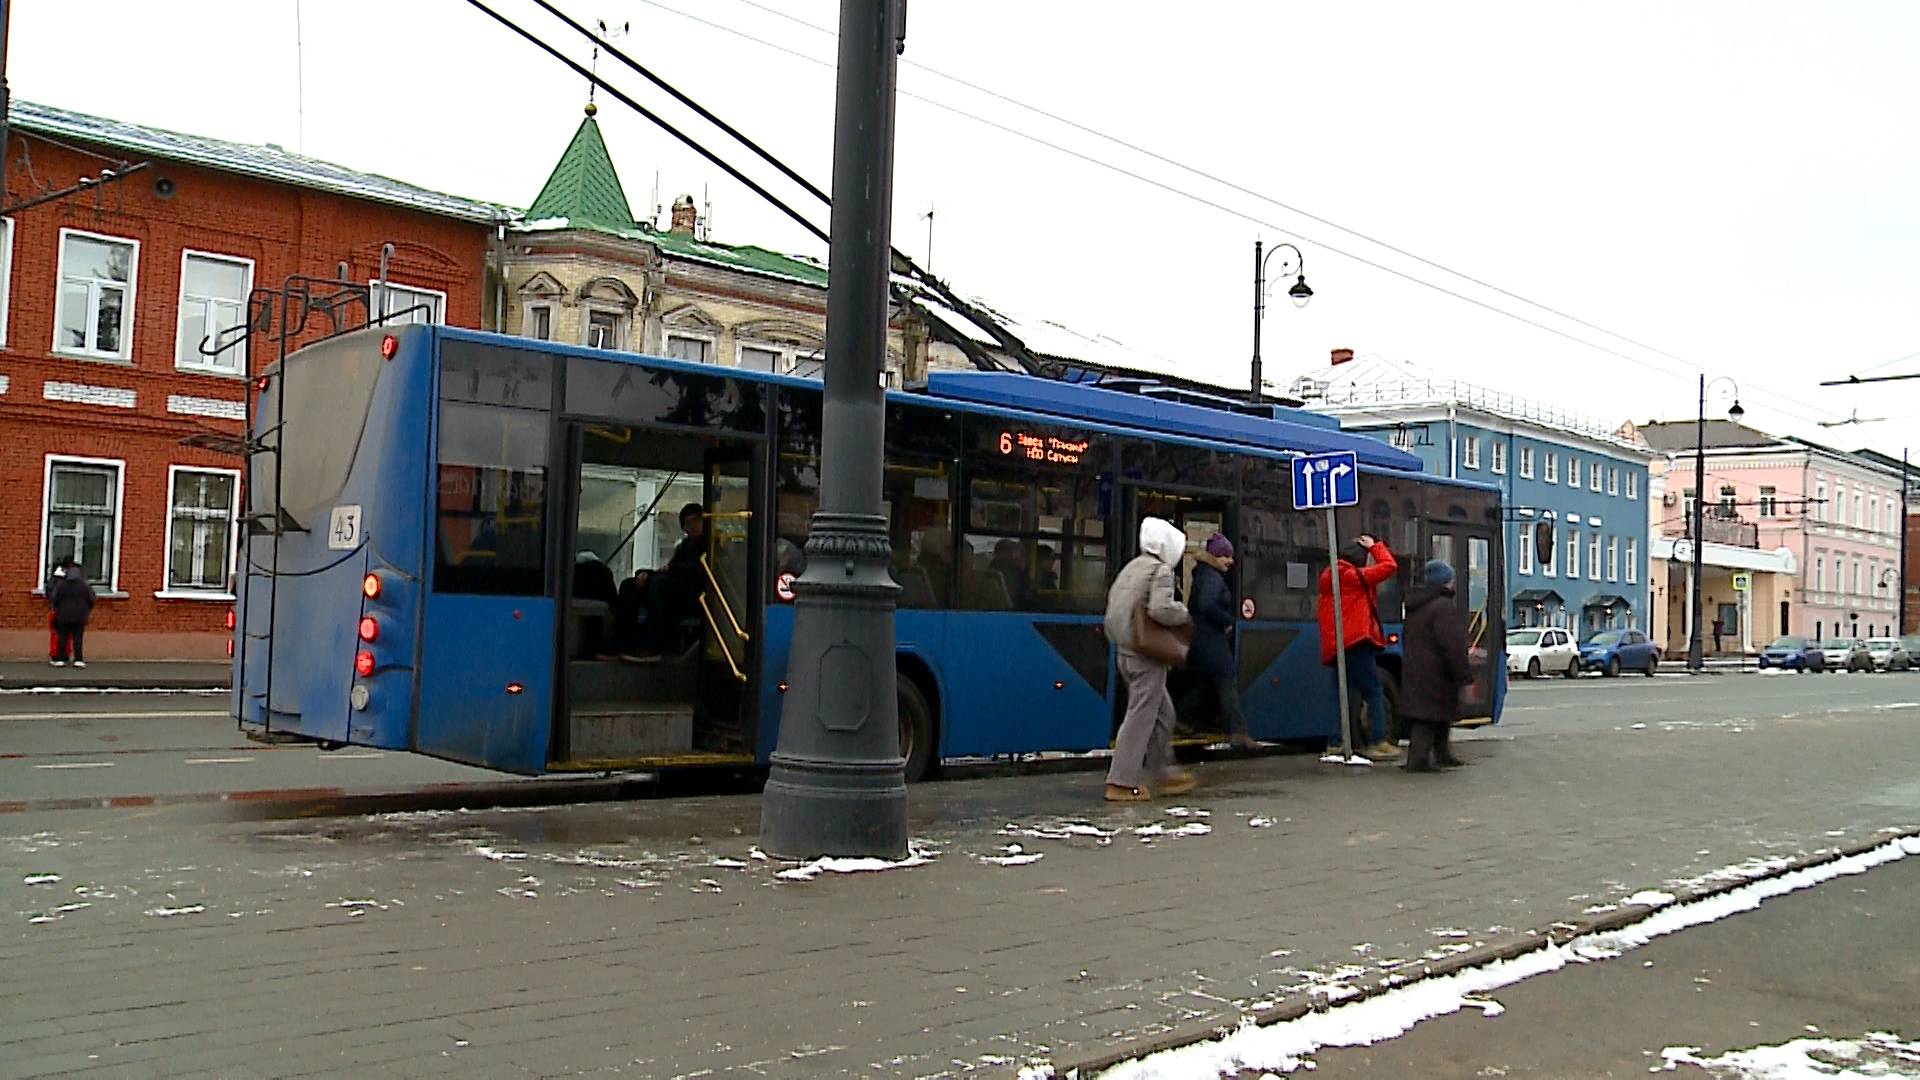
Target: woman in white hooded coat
{"type": "Point", "coordinates": [1143, 751]}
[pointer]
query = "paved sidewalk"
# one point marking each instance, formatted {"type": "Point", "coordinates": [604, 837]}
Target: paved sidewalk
{"type": "Point", "coordinates": [648, 939]}
{"type": "Point", "coordinates": [18, 675]}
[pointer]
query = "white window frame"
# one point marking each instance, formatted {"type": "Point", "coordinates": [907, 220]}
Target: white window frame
{"type": "Point", "coordinates": [1594, 469]}
{"type": "Point", "coordinates": [666, 346]}
{"type": "Point", "coordinates": [782, 356]}
{"type": "Point", "coordinates": [377, 291]}
{"type": "Point", "coordinates": [1873, 512]}
{"type": "Point", "coordinates": [1499, 458]}
{"type": "Point", "coordinates": [1573, 471]}
{"type": "Point", "coordinates": [1633, 484]}
{"type": "Point", "coordinates": [1613, 479]}
{"type": "Point", "coordinates": [1526, 548]}
{"type": "Point", "coordinates": [6, 276]}
{"type": "Point", "coordinates": [119, 466]}
{"type": "Point", "coordinates": [1553, 468]}
{"type": "Point", "coordinates": [1633, 559]}
{"type": "Point", "coordinates": [526, 320]}
{"type": "Point", "coordinates": [1573, 555]}
{"type": "Point", "coordinates": [1768, 500]}
{"type": "Point", "coordinates": [205, 365]}
{"type": "Point", "coordinates": [1856, 509]}
{"type": "Point", "coordinates": [1470, 452]}
{"type": "Point", "coordinates": [1819, 500]}
{"type": "Point", "coordinates": [622, 326]}
{"type": "Point", "coordinates": [167, 590]}
{"type": "Point", "coordinates": [1613, 558]}
{"type": "Point", "coordinates": [1526, 463]}
{"type": "Point", "coordinates": [125, 355]}
{"type": "Point", "coordinates": [1820, 573]}
{"type": "Point", "coordinates": [1593, 556]}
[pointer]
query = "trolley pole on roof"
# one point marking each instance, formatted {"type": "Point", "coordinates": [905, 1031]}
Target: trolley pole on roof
{"type": "Point", "coordinates": [838, 781]}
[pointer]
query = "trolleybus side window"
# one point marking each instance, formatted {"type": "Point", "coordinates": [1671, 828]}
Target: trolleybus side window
{"type": "Point", "coordinates": [490, 524]}
{"type": "Point", "coordinates": [622, 391]}
{"type": "Point", "coordinates": [1282, 552]}
{"type": "Point", "coordinates": [1035, 538]}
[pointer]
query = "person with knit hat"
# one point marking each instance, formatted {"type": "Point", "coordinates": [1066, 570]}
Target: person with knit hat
{"type": "Point", "coordinates": [1362, 569]}
{"type": "Point", "coordinates": [1210, 659]}
{"type": "Point", "coordinates": [1433, 669]}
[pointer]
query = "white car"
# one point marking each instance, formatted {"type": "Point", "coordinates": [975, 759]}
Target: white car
{"type": "Point", "coordinates": [1542, 650]}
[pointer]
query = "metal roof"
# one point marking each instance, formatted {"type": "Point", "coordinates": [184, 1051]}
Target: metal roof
{"type": "Point", "coordinates": [267, 162]}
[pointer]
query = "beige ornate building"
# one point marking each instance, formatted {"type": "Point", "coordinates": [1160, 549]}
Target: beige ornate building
{"type": "Point", "coordinates": [580, 269]}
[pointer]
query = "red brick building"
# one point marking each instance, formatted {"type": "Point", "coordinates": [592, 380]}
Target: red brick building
{"type": "Point", "coordinates": [106, 296]}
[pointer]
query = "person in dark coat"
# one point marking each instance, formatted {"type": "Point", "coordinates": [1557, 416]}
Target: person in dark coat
{"type": "Point", "coordinates": [72, 600]}
{"type": "Point", "coordinates": [1210, 658]}
{"type": "Point", "coordinates": [1433, 670]}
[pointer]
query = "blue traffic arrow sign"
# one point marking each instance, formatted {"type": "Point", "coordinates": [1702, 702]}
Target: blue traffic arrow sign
{"type": "Point", "coordinates": [1324, 480]}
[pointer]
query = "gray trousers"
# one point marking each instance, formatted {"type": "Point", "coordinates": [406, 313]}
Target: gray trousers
{"type": "Point", "coordinates": [1143, 750]}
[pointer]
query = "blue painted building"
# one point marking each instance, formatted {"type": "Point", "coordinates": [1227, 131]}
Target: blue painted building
{"type": "Point", "coordinates": [1575, 493]}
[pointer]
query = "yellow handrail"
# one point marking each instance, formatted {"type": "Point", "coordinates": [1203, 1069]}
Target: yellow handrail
{"type": "Point", "coordinates": [705, 609]}
{"type": "Point", "coordinates": [724, 606]}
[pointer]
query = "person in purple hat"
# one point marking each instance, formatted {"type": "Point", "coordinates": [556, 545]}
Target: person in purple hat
{"type": "Point", "coordinates": [1210, 658]}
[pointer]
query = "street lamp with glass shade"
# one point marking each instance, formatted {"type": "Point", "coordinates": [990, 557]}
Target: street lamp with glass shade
{"type": "Point", "coordinates": [1695, 662]}
{"type": "Point", "coordinates": [1300, 293]}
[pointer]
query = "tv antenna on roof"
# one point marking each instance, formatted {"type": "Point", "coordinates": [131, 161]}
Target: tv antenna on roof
{"type": "Point", "coordinates": [1856, 418]}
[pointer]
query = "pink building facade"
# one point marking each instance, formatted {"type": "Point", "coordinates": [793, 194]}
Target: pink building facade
{"type": "Point", "coordinates": [1836, 514]}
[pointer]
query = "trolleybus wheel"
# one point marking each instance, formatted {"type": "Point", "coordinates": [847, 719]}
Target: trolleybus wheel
{"type": "Point", "coordinates": [916, 728]}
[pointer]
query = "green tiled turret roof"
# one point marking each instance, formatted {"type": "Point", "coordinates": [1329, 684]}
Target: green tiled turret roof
{"type": "Point", "coordinates": [584, 188]}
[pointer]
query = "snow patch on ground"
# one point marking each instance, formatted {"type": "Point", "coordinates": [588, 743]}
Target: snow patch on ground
{"type": "Point", "coordinates": [916, 856]}
{"type": "Point", "coordinates": [1880, 1054]}
{"type": "Point", "coordinates": [1191, 828]}
{"type": "Point", "coordinates": [40, 879]}
{"type": "Point", "coordinates": [1287, 1046]}
{"type": "Point", "coordinates": [1651, 898]}
{"type": "Point", "coordinates": [1012, 855]}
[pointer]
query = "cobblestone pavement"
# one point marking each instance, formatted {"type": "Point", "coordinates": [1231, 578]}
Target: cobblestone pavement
{"type": "Point", "coordinates": [648, 938]}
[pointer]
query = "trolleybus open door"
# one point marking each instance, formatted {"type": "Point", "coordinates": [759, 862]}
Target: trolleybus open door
{"type": "Point", "coordinates": [1472, 549]}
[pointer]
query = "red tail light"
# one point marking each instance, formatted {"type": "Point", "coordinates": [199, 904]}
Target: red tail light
{"type": "Point", "coordinates": [363, 663]}
{"type": "Point", "coordinates": [370, 586]}
{"type": "Point", "coordinates": [388, 346]}
{"type": "Point", "coordinates": [260, 384]}
{"type": "Point", "coordinates": [369, 629]}
{"type": "Point", "coordinates": [515, 688]}
{"type": "Point", "coordinates": [231, 618]}
{"type": "Point", "coordinates": [229, 648]}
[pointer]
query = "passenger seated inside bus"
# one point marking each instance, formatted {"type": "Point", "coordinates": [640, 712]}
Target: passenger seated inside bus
{"type": "Point", "coordinates": [594, 600]}
{"type": "Point", "coordinates": [1046, 574]}
{"type": "Point", "coordinates": [1010, 563]}
{"type": "Point", "coordinates": [662, 602]}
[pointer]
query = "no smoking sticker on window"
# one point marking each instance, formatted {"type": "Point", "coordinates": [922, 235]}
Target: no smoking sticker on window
{"type": "Point", "coordinates": [1247, 610]}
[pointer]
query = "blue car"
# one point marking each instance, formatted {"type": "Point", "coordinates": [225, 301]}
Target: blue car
{"type": "Point", "coordinates": [1612, 651]}
{"type": "Point", "coordinates": [1792, 653]}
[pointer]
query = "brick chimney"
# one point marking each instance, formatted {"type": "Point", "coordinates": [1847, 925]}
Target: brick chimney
{"type": "Point", "coordinates": [685, 216]}
{"type": "Point", "coordinates": [1341, 356]}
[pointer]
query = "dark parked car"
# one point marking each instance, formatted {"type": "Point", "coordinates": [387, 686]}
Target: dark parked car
{"type": "Point", "coordinates": [1792, 653]}
{"type": "Point", "coordinates": [1614, 651]}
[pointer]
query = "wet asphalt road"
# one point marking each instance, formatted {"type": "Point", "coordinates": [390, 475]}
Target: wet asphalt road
{"type": "Point", "coordinates": [1835, 961]}
{"type": "Point", "coordinates": [118, 745]}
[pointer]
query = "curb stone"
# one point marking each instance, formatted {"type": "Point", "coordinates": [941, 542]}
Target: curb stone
{"type": "Point", "coordinates": [1559, 933]}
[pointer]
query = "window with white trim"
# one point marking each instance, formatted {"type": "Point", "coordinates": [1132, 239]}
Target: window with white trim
{"type": "Point", "coordinates": [1819, 500]}
{"type": "Point", "coordinates": [95, 306]}
{"type": "Point", "coordinates": [1856, 509]}
{"type": "Point", "coordinates": [1613, 558]}
{"type": "Point", "coordinates": [403, 305]}
{"type": "Point", "coordinates": [1499, 457]}
{"type": "Point", "coordinates": [1633, 559]}
{"type": "Point", "coordinates": [1613, 481]}
{"type": "Point", "coordinates": [536, 322]}
{"type": "Point", "coordinates": [1470, 453]}
{"type": "Point", "coordinates": [1856, 577]}
{"type": "Point", "coordinates": [1820, 574]}
{"type": "Point", "coordinates": [80, 518]}
{"type": "Point", "coordinates": [760, 358]}
{"type": "Point", "coordinates": [1768, 503]}
{"type": "Point", "coordinates": [1633, 484]}
{"type": "Point", "coordinates": [1573, 472]}
{"type": "Point", "coordinates": [1526, 462]}
{"type": "Point", "coordinates": [1401, 438]}
{"type": "Point", "coordinates": [693, 349]}
{"type": "Point", "coordinates": [1553, 468]}
{"type": "Point", "coordinates": [200, 530]}
{"type": "Point", "coordinates": [1593, 557]}
{"type": "Point", "coordinates": [1526, 548]}
{"type": "Point", "coordinates": [1873, 511]}
{"type": "Point", "coordinates": [605, 328]}
{"type": "Point", "coordinates": [6, 274]}
{"type": "Point", "coordinates": [1573, 552]}
{"type": "Point", "coordinates": [1593, 474]}
{"type": "Point", "coordinates": [213, 311]}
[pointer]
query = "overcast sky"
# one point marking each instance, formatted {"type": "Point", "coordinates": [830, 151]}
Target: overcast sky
{"type": "Point", "coordinates": [1730, 183]}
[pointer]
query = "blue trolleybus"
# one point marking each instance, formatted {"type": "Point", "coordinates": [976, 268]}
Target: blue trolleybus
{"type": "Point", "coordinates": [448, 534]}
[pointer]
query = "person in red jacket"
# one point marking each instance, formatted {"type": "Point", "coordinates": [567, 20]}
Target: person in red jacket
{"type": "Point", "coordinates": [1363, 567]}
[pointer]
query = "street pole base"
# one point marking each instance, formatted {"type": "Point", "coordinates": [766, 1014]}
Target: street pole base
{"type": "Point", "coordinates": [813, 807]}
